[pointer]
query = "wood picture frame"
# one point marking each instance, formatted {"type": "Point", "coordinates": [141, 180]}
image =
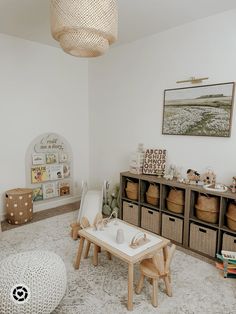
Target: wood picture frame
{"type": "Point", "coordinates": [204, 110]}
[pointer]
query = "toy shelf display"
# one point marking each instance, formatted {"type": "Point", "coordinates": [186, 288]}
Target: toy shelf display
{"type": "Point", "coordinates": [187, 214]}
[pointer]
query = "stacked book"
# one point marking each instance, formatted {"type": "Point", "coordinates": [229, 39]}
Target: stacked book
{"type": "Point", "coordinates": [227, 263]}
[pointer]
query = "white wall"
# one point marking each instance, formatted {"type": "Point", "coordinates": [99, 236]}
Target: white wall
{"type": "Point", "coordinates": [42, 90]}
{"type": "Point", "coordinates": [126, 97]}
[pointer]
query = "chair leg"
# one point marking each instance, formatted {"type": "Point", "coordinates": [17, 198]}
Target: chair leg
{"type": "Point", "coordinates": [154, 292]}
{"type": "Point", "coordinates": [168, 286]}
{"type": "Point", "coordinates": [86, 253]}
{"type": "Point", "coordinates": [140, 284]}
{"type": "Point", "coordinates": [150, 280]}
{"type": "Point", "coordinates": [108, 255]}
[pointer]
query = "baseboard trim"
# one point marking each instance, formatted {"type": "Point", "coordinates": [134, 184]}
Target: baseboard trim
{"type": "Point", "coordinates": [49, 204]}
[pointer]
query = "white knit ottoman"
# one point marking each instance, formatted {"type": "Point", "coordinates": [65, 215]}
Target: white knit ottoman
{"type": "Point", "coordinates": [33, 282]}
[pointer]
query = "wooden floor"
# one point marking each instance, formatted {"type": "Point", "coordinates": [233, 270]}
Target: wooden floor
{"type": "Point", "coordinates": [44, 214]}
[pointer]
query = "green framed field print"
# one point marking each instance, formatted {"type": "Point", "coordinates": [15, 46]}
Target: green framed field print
{"type": "Point", "coordinates": [200, 110]}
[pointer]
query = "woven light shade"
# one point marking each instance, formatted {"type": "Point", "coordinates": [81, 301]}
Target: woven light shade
{"type": "Point", "coordinates": [84, 28]}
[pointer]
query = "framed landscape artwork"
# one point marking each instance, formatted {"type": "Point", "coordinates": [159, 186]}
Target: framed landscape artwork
{"type": "Point", "coordinates": [201, 110]}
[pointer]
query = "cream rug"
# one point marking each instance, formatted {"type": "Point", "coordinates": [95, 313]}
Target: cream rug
{"type": "Point", "coordinates": [197, 286]}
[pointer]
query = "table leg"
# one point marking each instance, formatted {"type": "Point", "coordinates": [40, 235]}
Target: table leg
{"type": "Point", "coordinates": [130, 287]}
{"type": "Point", "coordinates": [95, 255]}
{"type": "Point", "coordinates": [87, 249]}
{"type": "Point", "coordinates": [79, 253]}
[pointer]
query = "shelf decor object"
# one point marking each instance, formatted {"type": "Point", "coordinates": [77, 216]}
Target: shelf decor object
{"type": "Point", "coordinates": [84, 28]}
{"type": "Point", "coordinates": [155, 162]}
{"type": "Point", "coordinates": [199, 110]}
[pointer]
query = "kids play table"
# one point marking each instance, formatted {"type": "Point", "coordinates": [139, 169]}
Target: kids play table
{"type": "Point", "coordinates": [106, 239]}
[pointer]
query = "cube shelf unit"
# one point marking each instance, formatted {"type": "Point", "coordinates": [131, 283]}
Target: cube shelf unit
{"type": "Point", "coordinates": [183, 229]}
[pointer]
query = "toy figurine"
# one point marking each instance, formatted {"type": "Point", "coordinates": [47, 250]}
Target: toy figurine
{"type": "Point", "coordinates": [209, 177]}
{"type": "Point", "coordinates": [193, 176]}
{"type": "Point", "coordinates": [233, 188]}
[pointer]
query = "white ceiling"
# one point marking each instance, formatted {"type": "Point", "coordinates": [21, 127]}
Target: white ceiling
{"type": "Point", "coordinates": [29, 19]}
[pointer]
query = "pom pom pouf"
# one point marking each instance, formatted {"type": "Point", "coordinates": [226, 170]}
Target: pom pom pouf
{"type": "Point", "coordinates": [32, 282]}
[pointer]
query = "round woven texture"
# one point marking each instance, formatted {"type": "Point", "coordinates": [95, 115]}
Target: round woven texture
{"type": "Point", "coordinates": [208, 203]}
{"type": "Point", "coordinates": [84, 28]}
{"type": "Point", "coordinates": [31, 282]}
{"type": "Point", "coordinates": [231, 222]}
{"type": "Point", "coordinates": [174, 207]}
{"type": "Point", "coordinates": [206, 215]}
{"type": "Point", "coordinates": [176, 196]}
{"type": "Point", "coordinates": [231, 211]}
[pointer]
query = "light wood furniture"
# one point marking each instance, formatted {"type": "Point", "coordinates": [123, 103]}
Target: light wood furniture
{"type": "Point", "coordinates": [155, 268]}
{"type": "Point", "coordinates": [183, 229]}
{"type": "Point", "coordinates": [141, 254]}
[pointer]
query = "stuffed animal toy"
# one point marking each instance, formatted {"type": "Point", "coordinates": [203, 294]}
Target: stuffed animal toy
{"type": "Point", "coordinates": [193, 175]}
{"type": "Point", "coordinates": [209, 177]}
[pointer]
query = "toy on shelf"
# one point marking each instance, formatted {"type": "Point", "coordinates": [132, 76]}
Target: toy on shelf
{"type": "Point", "coordinates": [155, 162]}
{"type": "Point", "coordinates": [136, 160]}
{"type": "Point", "coordinates": [208, 177]}
{"type": "Point", "coordinates": [233, 186]}
{"type": "Point", "coordinates": [217, 187]}
{"type": "Point", "coordinates": [174, 173]}
{"type": "Point", "coordinates": [193, 177]}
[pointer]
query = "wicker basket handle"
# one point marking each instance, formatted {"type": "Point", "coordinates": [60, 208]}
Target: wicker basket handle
{"type": "Point", "coordinates": [201, 193]}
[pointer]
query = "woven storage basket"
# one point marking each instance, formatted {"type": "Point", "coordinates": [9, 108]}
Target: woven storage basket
{"type": "Point", "coordinates": [150, 220]}
{"type": "Point", "coordinates": [152, 195]}
{"type": "Point", "coordinates": [175, 201]}
{"type": "Point", "coordinates": [207, 216]}
{"type": "Point", "coordinates": [231, 211]}
{"type": "Point", "coordinates": [19, 206]}
{"type": "Point", "coordinates": [231, 222]}
{"type": "Point", "coordinates": [172, 228]}
{"type": "Point", "coordinates": [132, 190]}
{"type": "Point", "coordinates": [203, 239]}
{"type": "Point", "coordinates": [229, 242]}
{"type": "Point", "coordinates": [207, 208]}
{"type": "Point", "coordinates": [131, 213]}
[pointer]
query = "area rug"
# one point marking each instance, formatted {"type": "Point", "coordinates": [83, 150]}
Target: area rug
{"type": "Point", "coordinates": [197, 286]}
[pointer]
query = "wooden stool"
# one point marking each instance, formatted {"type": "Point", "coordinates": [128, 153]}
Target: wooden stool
{"type": "Point", "coordinates": [153, 269]}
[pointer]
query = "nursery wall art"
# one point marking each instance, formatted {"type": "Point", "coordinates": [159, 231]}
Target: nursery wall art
{"type": "Point", "coordinates": [200, 110]}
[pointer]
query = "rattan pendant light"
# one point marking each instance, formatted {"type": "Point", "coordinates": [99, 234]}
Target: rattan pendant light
{"type": "Point", "coordinates": [84, 28]}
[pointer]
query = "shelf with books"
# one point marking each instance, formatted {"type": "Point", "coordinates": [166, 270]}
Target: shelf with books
{"type": "Point", "coordinates": [49, 161]}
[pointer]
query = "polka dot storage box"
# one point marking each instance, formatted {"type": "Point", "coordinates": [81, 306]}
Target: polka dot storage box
{"type": "Point", "coordinates": [19, 206]}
